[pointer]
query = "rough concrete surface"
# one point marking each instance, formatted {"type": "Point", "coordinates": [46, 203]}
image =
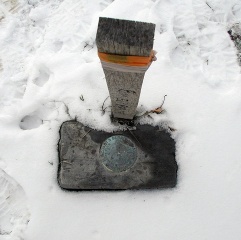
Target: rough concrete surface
{"type": "Point", "coordinates": [82, 168]}
{"type": "Point", "coordinates": [128, 38]}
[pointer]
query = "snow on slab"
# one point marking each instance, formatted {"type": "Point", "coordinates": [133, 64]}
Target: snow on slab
{"type": "Point", "coordinates": [50, 73]}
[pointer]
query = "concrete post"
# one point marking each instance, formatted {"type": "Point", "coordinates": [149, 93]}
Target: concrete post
{"type": "Point", "coordinates": [124, 38]}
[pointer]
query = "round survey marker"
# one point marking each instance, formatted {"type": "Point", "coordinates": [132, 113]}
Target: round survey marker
{"type": "Point", "coordinates": [118, 153]}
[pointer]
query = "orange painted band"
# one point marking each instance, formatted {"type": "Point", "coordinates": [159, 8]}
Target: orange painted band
{"type": "Point", "coordinates": [126, 60]}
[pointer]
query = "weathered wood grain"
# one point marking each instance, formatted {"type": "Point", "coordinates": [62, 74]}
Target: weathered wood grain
{"type": "Point", "coordinates": [125, 37]}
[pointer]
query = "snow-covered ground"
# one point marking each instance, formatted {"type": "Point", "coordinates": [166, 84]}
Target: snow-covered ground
{"type": "Point", "coordinates": [50, 73]}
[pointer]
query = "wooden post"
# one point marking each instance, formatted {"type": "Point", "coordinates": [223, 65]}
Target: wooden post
{"type": "Point", "coordinates": [128, 38]}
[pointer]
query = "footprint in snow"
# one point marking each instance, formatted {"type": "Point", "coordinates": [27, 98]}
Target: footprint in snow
{"type": "Point", "coordinates": [43, 76]}
{"type": "Point", "coordinates": [187, 54]}
{"type": "Point", "coordinates": [45, 113]}
{"type": "Point", "coordinates": [30, 122]}
{"type": "Point", "coordinates": [207, 49]}
{"type": "Point", "coordinates": [14, 215]}
{"type": "Point", "coordinates": [57, 45]}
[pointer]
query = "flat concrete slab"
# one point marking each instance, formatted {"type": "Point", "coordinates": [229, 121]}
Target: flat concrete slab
{"type": "Point", "coordinates": [143, 158]}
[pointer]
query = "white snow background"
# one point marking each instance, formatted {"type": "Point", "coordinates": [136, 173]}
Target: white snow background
{"type": "Point", "coordinates": [48, 63]}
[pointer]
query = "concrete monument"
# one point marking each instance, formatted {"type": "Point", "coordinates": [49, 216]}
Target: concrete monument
{"type": "Point", "coordinates": [138, 157]}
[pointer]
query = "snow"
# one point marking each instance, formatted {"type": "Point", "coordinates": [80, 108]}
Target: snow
{"type": "Point", "coordinates": [48, 63]}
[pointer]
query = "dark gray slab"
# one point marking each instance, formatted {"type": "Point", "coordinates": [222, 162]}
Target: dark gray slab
{"type": "Point", "coordinates": [145, 158]}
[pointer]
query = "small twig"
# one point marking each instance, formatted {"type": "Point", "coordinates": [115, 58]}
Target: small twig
{"type": "Point", "coordinates": [2, 232]}
{"type": "Point", "coordinates": [65, 105]}
{"type": "Point", "coordinates": [86, 44]}
{"type": "Point", "coordinates": [163, 100]}
{"type": "Point", "coordinates": [82, 98]}
{"type": "Point", "coordinates": [102, 107]}
{"type": "Point", "coordinates": [67, 110]}
{"type": "Point", "coordinates": [134, 136]}
{"type": "Point", "coordinates": [171, 129]}
{"type": "Point", "coordinates": [106, 107]}
{"type": "Point", "coordinates": [159, 109]}
{"type": "Point", "coordinates": [210, 6]}
{"type": "Point", "coordinates": [86, 133]}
